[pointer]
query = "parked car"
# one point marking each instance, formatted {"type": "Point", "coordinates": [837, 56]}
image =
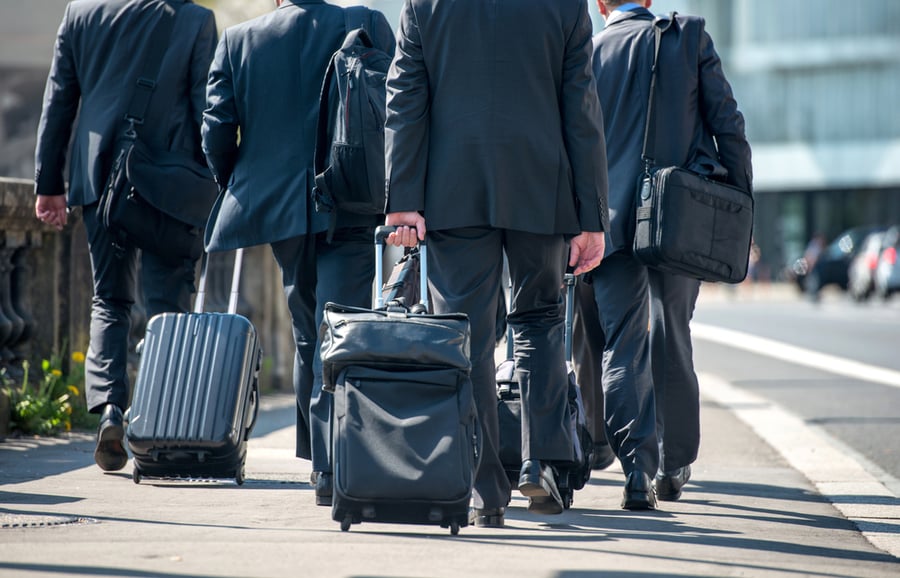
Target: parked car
{"type": "Point", "coordinates": [887, 272]}
{"type": "Point", "coordinates": [861, 274]}
{"type": "Point", "coordinates": [832, 265]}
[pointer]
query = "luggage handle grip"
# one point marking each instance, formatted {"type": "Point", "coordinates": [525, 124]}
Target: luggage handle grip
{"type": "Point", "coordinates": [381, 234]}
{"type": "Point", "coordinates": [383, 231]}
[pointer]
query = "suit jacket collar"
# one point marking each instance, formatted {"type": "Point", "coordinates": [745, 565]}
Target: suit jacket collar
{"type": "Point", "coordinates": [623, 15]}
{"type": "Point", "coordinates": [298, 2]}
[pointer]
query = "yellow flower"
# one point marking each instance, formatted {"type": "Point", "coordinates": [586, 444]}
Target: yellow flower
{"type": "Point", "coordinates": [56, 372]}
{"type": "Point", "coordinates": [77, 357]}
{"type": "Point", "coordinates": [74, 390]}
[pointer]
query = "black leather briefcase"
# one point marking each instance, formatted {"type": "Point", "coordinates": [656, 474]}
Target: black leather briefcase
{"type": "Point", "coordinates": [690, 225]}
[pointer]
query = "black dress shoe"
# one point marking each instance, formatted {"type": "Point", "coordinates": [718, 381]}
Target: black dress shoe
{"type": "Point", "coordinates": [110, 452]}
{"type": "Point", "coordinates": [324, 488]}
{"type": "Point", "coordinates": [639, 493]}
{"type": "Point", "coordinates": [602, 456]}
{"type": "Point", "coordinates": [486, 517]}
{"type": "Point", "coordinates": [537, 481]}
{"type": "Point", "coordinates": [669, 483]}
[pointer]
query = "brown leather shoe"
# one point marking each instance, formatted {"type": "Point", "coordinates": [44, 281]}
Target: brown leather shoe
{"type": "Point", "coordinates": [110, 452]}
{"type": "Point", "coordinates": [639, 493]}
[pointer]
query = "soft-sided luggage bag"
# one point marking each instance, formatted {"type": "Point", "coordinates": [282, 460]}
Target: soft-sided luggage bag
{"type": "Point", "coordinates": [196, 394]}
{"type": "Point", "coordinates": [573, 475]}
{"type": "Point", "coordinates": [405, 432]}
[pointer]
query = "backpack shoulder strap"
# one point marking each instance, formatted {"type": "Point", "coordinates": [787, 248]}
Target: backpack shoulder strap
{"type": "Point", "coordinates": [358, 23]}
{"type": "Point", "coordinates": [357, 17]}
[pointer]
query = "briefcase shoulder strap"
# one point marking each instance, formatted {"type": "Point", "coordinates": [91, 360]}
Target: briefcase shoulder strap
{"type": "Point", "coordinates": [146, 81]}
{"type": "Point", "coordinates": [660, 25]}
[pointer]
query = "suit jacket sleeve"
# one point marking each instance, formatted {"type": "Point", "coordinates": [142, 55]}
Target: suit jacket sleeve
{"type": "Point", "coordinates": [220, 119]}
{"type": "Point", "coordinates": [722, 117]}
{"type": "Point", "coordinates": [583, 129]}
{"type": "Point", "coordinates": [406, 132]}
{"type": "Point", "coordinates": [61, 100]}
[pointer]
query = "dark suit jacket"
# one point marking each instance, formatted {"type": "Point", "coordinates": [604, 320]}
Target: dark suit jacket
{"type": "Point", "coordinates": [695, 109]}
{"type": "Point", "coordinates": [265, 81]}
{"type": "Point", "coordinates": [96, 62]}
{"type": "Point", "coordinates": [495, 121]}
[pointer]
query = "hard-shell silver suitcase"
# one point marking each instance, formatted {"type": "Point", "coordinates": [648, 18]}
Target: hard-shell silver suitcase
{"type": "Point", "coordinates": [196, 394]}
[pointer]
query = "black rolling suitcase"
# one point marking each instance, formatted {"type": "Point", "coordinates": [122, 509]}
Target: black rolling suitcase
{"type": "Point", "coordinates": [405, 432]}
{"type": "Point", "coordinates": [196, 395]}
{"type": "Point", "coordinates": [573, 475]}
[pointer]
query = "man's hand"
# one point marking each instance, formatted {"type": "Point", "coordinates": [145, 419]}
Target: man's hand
{"type": "Point", "coordinates": [586, 251]}
{"type": "Point", "coordinates": [51, 209]}
{"type": "Point", "coordinates": [410, 228]}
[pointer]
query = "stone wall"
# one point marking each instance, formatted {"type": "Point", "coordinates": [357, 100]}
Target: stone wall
{"type": "Point", "coordinates": [46, 290]}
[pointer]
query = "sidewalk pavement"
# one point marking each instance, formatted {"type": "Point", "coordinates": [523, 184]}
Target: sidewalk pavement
{"type": "Point", "coordinates": [746, 512]}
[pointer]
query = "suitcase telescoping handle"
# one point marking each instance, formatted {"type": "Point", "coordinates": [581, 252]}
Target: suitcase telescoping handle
{"type": "Point", "coordinates": [569, 281]}
{"type": "Point", "coordinates": [381, 234]}
{"type": "Point", "coordinates": [235, 282]}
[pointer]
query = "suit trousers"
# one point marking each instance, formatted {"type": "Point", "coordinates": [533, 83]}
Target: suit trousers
{"type": "Point", "coordinates": [314, 272]}
{"type": "Point", "coordinates": [465, 273]}
{"type": "Point", "coordinates": [672, 302]}
{"type": "Point", "coordinates": [166, 287]}
{"type": "Point", "coordinates": [620, 354]}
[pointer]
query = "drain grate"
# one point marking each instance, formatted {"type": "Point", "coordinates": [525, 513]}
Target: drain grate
{"type": "Point", "coordinates": [263, 480]}
{"type": "Point", "coordinates": [40, 520]}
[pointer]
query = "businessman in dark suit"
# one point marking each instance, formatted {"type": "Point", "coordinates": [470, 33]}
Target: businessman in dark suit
{"type": "Point", "coordinates": [259, 136]}
{"type": "Point", "coordinates": [650, 389]}
{"type": "Point", "coordinates": [494, 139]}
{"type": "Point", "coordinates": [98, 58]}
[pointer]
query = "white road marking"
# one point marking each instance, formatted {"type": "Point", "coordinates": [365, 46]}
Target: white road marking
{"type": "Point", "coordinates": [799, 355]}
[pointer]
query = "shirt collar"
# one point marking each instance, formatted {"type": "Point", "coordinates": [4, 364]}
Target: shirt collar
{"type": "Point", "coordinates": [627, 6]}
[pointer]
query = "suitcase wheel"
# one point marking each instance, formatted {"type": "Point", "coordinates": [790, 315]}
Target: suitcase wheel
{"type": "Point", "coordinates": [136, 475]}
{"type": "Point", "coordinates": [346, 522]}
{"type": "Point", "coordinates": [454, 528]}
{"type": "Point", "coordinates": [567, 499]}
{"type": "Point", "coordinates": [239, 476]}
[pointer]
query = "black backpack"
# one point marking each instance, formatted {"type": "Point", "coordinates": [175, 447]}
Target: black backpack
{"type": "Point", "coordinates": [349, 157]}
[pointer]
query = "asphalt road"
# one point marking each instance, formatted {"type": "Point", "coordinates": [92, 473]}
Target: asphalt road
{"type": "Point", "coordinates": [851, 407]}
